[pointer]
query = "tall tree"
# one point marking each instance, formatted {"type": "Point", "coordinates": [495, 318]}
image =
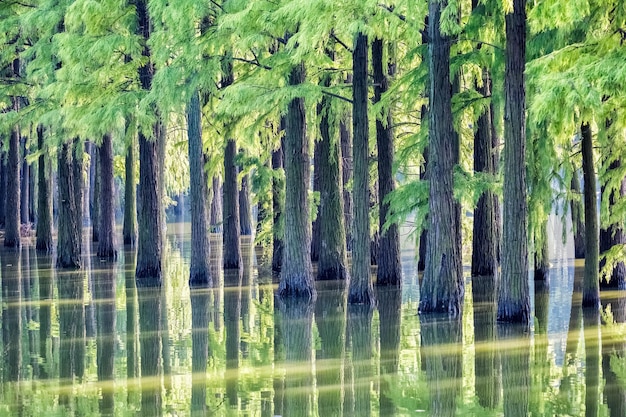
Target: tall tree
{"type": "Point", "coordinates": [389, 268]}
{"type": "Point", "coordinates": [360, 290]}
{"type": "Point", "coordinates": [44, 240]}
{"type": "Point", "coordinates": [245, 213]}
{"type": "Point", "coordinates": [443, 286]}
{"type": "Point", "coordinates": [12, 207]}
{"type": "Point", "coordinates": [278, 203]}
{"type": "Point", "coordinates": [129, 229]}
{"type": "Point", "coordinates": [514, 296]}
{"type": "Point", "coordinates": [95, 199]}
{"type": "Point", "coordinates": [106, 243]}
{"type": "Point", "coordinates": [69, 243]}
{"type": "Point", "coordinates": [591, 285]}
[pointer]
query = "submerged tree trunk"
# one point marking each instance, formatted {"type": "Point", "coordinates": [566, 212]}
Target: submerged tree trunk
{"type": "Point", "coordinates": [591, 287]}
{"type": "Point", "coordinates": [443, 286]}
{"type": "Point", "coordinates": [96, 183]}
{"type": "Point", "coordinates": [278, 205]}
{"type": "Point", "coordinates": [68, 245]}
{"type": "Point", "coordinates": [578, 223]}
{"type": "Point", "coordinates": [106, 244]}
{"type": "Point", "coordinates": [514, 296]}
{"type": "Point", "coordinates": [149, 219]}
{"type": "Point", "coordinates": [389, 267]}
{"type": "Point", "coordinates": [614, 235]}
{"type": "Point", "coordinates": [245, 213]}
{"type": "Point", "coordinates": [44, 202]}
{"type": "Point", "coordinates": [12, 217]}
{"type": "Point", "coordinates": [484, 242]}
{"type": "Point", "coordinates": [296, 278]}
{"type": "Point", "coordinates": [360, 290]}
{"type": "Point", "coordinates": [199, 268]}
{"type": "Point", "coordinates": [130, 197]}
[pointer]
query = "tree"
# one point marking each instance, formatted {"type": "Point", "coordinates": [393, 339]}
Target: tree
{"type": "Point", "coordinates": [69, 237]}
{"type": "Point", "coordinates": [12, 207]}
{"type": "Point", "coordinates": [106, 242]}
{"type": "Point", "coordinates": [591, 286]}
{"type": "Point", "coordinates": [129, 228]}
{"type": "Point", "coordinates": [44, 240]}
{"type": "Point", "coordinates": [230, 236]}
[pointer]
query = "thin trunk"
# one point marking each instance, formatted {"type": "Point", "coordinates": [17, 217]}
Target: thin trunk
{"type": "Point", "coordinates": [346, 176]}
{"type": "Point", "coordinates": [389, 267]}
{"type": "Point", "coordinates": [245, 212]}
{"type": "Point", "coordinates": [130, 197]}
{"type": "Point", "coordinates": [44, 202]}
{"type": "Point", "coordinates": [443, 285]}
{"type": "Point", "coordinates": [96, 185]}
{"type": "Point", "coordinates": [215, 213]}
{"type": "Point", "coordinates": [12, 217]}
{"type": "Point", "coordinates": [614, 235]}
{"type": "Point", "coordinates": [79, 185]}
{"type": "Point", "coordinates": [106, 244]}
{"type": "Point", "coordinates": [514, 297]}
{"type": "Point", "coordinates": [25, 184]}
{"type": "Point", "coordinates": [296, 278]}
{"type": "Point", "coordinates": [360, 290]}
{"type": "Point", "coordinates": [578, 223]}
{"type": "Point", "coordinates": [3, 185]}
{"type": "Point", "coordinates": [278, 205]}
{"type": "Point", "coordinates": [316, 226]}
{"type": "Point", "coordinates": [68, 245]}
{"type": "Point", "coordinates": [199, 268]}
{"type": "Point", "coordinates": [232, 246]}
{"type": "Point", "coordinates": [591, 286]}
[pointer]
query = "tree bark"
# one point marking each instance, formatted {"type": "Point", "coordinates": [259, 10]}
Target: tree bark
{"type": "Point", "coordinates": [389, 267]}
{"type": "Point", "coordinates": [44, 240]}
{"type": "Point", "coordinates": [245, 213]}
{"type": "Point", "coordinates": [346, 176]}
{"type": "Point", "coordinates": [614, 235]}
{"type": "Point", "coordinates": [232, 247]}
{"type": "Point", "coordinates": [68, 245]}
{"type": "Point", "coordinates": [278, 205]}
{"type": "Point", "coordinates": [12, 217]}
{"type": "Point", "coordinates": [130, 197]}
{"type": "Point", "coordinates": [96, 183]}
{"type": "Point", "coordinates": [199, 268]}
{"type": "Point", "coordinates": [578, 223]}
{"type": "Point", "coordinates": [360, 290]}
{"type": "Point", "coordinates": [3, 185]}
{"type": "Point", "coordinates": [216, 205]}
{"type": "Point", "coordinates": [79, 185]}
{"type": "Point", "coordinates": [106, 243]}
{"type": "Point", "coordinates": [296, 278]}
{"type": "Point", "coordinates": [315, 227]}
{"type": "Point", "coordinates": [514, 296]}
{"type": "Point", "coordinates": [443, 286]}
{"type": "Point", "coordinates": [541, 255]}
{"type": "Point", "coordinates": [25, 185]}
{"type": "Point", "coordinates": [591, 286]}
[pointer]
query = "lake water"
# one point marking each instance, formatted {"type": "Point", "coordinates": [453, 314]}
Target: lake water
{"type": "Point", "coordinates": [89, 342]}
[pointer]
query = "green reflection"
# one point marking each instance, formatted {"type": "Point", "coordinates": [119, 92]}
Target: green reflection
{"type": "Point", "coordinates": [150, 326]}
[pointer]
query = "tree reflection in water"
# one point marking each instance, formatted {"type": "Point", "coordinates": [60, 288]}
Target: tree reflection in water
{"type": "Point", "coordinates": [46, 286]}
{"type": "Point", "coordinates": [514, 350]}
{"type": "Point", "coordinates": [614, 350]}
{"type": "Point", "coordinates": [201, 300]}
{"type": "Point", "coordinates": [389, 312]}
{"type": "Point", "coordinates": [232, 314]}
{"type": "Point", "coordinates": [104, 298]}
{"type": "Point", "coordinates": [151, 368]}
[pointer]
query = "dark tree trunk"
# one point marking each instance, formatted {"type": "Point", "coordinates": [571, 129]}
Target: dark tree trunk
{"type": "Point", "coordinates": [423, 242]}
{"type": "Point", "coordinates": [443, 287]}
{"type": "Point", "coordinates": [106, 244]}
{"type": "Point", "coordinates": [79, 185]}
{"type": "Point", "coordinates": [296, 278]}
{"type": "Point", "coordinates": [68, 245]}
{"type": "Point", "coordinates": [149, 219]}
{"type": "Point", "coordinates": [332, 262]}
{"type": "Point", "coordinates": [199, 268]}
{"type": "Point", "coordinates": [130, 197]}
{"type": "Point", "coordinates": [346, 176]}
{"type": "Point", "coordinates": [514, 296]}
{"type": "Point", "coordinates": [95, 190]}
{"type": "Point", "coordinates": [3, 185]}
{"type": "Point", "coordinates": [12, 216]}
{"type": "Point", "coordinates": [614, 235]}
{"type": "Point", "coordinates": [25, 184]}
{"type": "Point", "coordinates": [315, 227]}
{"type": "Point", "coordinates": [578, 223]}
{"type": "Point", "coordinates": [216, 205]}
{"type": "Point", "coordinates": [278, 205]}
{"type": "Point", "coordinates": [484, 242]}
{"type": "Point", "coordinates": [389, 267]}
{"type": "Point", "coordinates": [541, 255]}
{"type": "Point", "coordinates": [232, 247]}
{"type": "Point", "coordinates": [44, 202]}
{"type": "Point", "coordinates": [245, 212]}
{"type": "Point", "coordinates": [591, 286]}
{"type": "Point", "coordinates": [374, 234]}
{"type": "Point", "coordinates": [360, 290]}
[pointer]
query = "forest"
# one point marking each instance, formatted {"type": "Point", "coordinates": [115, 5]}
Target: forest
{"type": "Point", "coordinates": [336, 123]}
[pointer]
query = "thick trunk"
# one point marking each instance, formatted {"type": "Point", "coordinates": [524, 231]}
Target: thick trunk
{"type": "Point", "coordinates": [199, 268]}
{"type": "Point", "coordinates": [346, 176]}
{"type": "Point", "coordinates": [423, 242]}
{"type": "Point", "coordinates": [130, 197]}
{"type": "Point", "coordinates": [614, 235]}
{"type": "Point", "coordinates": [591, 287]}
{"type": "Point", "coordinates": [443, 286]}
{"type": "Point", "coordinates": [578, 223]}
{"type": "Point", "coordinates": [484, 242]}
{"type": "Point", "coordinates": [389, 267]}
{"type": "Point", "coordinates": [232, 247]}
{"type": "Point", "coordinates": [44, 202]}
{"type": "Point", "coordinates": [25, 185]}
{"type": "Point", "coordinates": [332, 262]}
{"type": "Point", "coordinates": [68, 245]}
{"type": "Point", "coordinates": [150, 218]}
{"type": "Point", "coordinates": [514, 297]}
{"type": "Point", "coordinates": [360, 290]}
{"type": "Point", "coordinates": [106, 243]}
{"type": "Point", "coordinates": [245, 212]}
{"type": "Point", "coordinates": [296, 278]}
{"type": "Point", "coordinates": [278, 206]}
{"type": "Point", "coordinates": [12, 217]}
{"type": "Point", "coordinates": [96, 184]}
{"type": "Point", "coordinates": [315, 227]}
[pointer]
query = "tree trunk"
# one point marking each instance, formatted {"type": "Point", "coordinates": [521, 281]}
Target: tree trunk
{"type": "Point", "coordinates": [106, 244]}
{"type": "Point", "coordinates": [96, 185]}
{"type": "Point", "coordinates": [68, 245]}
{"type": "Point", "coordinates": [484, 242]}
{"type": "Point", "coordinates": [346, 176]}
{"type": "Point", "coordinates": [315, 227]}
{"type": "Point", "coordinates": [278, 205]}
{"type": "Point", "coordinates": [578, 223]}
{"type": "Point", "coordinates": [215, 213]}
{"type": "Point", "coordinates": [614, 235]}
{"type": "Point", "coordinates": [542, 257]}
{"type": "Point", "coordinates": [389, 267]}
{"type": "Point", "coordinates": [12, 217]}
{"type": "Point", "coordinates": [3, 185]}
{"type": "Point", "coordinates": [296, 278]}
{"type": "Point", "coordinates": [25, 184]}
{"type": "Point", "coordinates": [44, 202]}
{"type": "Point", "coordinates": [199, 268]}
{"type": "Point", "coordinates": [232, 247]}
{"type": "Point", "coordinates": [130, 197]}
{"type": "Point", "coordinates": [79, 184]}
{"type": "Point", "coordinates": [443, 286]}
{"type": "Point", "coordinates": [514, 296]}
{"type": "Point", "coordinates": [360, 290]}
{"type": "Point", "coordinates": [245, 213]}
{"type": "Point", "coordinates": [150, 240]}
{"type": "Point", "coordinates": [591, 286]}
{"type": "Point", "coordinates": [423, 242]}
{"type": "Point", "coordinates": [332, 262]}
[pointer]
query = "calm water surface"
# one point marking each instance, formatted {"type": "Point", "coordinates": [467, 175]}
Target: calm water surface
{"type": "Point", "coordinates": [89, 342]}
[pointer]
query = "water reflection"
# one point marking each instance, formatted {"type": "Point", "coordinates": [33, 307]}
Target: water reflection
{"type": "Point", "coordinates": [46, 284]}
{"type": "Point", "coordinates": [104, 298]}
{"type": "Point", "coordinates": [200, 302]}
{"type": "Point", "coordinates": [614, 350]}
{"type": "Point", "coordinates": [389, 312]}
{"type": "Point", "coordinates": [232, 314]}
{"type": "Point", "coordinates": [514, 349]}
{"type": "Point", "coordinates": [150, 325]}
